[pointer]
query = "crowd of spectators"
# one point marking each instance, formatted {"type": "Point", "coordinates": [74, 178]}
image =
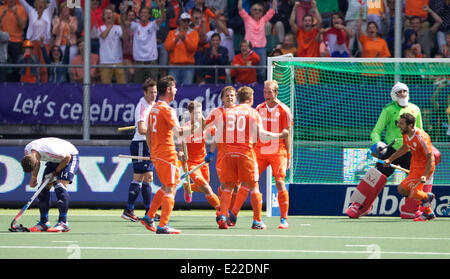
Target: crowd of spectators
{"type": "Point", "coordinates": [206, 32]}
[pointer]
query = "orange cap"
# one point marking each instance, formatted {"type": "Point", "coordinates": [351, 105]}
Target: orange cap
{"type": "Point", "coordinates": [27, 43]}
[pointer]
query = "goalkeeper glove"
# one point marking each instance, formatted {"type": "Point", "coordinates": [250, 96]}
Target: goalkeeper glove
{"type": "Point", "coordinates": [209, 157]}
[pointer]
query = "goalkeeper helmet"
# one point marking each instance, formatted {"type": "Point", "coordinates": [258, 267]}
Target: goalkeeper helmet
{"type": "Point", "coordinates": [400, 87]}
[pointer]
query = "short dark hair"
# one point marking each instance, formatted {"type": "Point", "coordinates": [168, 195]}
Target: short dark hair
{"type": "Point", "coordinates": [409, 118]}
{"type": "Point", "coordinates": [149, 82]}
{"type": "Point", "coordinates": [164, 83]}
{"type": "Point", "coordinates": [28, 163]}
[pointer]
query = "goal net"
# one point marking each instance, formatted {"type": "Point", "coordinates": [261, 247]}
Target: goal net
{"type": "Point", "coordinates": [336, 104]}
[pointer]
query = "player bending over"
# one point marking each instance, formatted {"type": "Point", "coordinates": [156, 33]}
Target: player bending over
{"type": "Point", "coordinates": [62, 164]}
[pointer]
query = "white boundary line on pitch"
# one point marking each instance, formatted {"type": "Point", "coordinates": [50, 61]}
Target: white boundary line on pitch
{"type": "Point", "coordinates": [408, 238]}
{"type": "Point", "coordinates": [231, 250]}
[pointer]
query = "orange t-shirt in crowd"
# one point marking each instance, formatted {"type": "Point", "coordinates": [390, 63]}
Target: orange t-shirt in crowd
{"type": "Point", "coordinates": [247, 75]}
{"type": "Point", "coordinates": [415, 8]}
{"type": "Point", "coordinates": [182, 52]}
{"type": "Point", "coordinates": [374, 47]}
{"type": "Point", "coordinates": [10, 23]}
{"type": "Point", "coordinates": [307, 45]}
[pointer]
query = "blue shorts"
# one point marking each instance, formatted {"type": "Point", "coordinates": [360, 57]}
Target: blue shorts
{"type": "Point", "coordinates": [68, 172]}
{"type": "Point", "coordinates": [140, 148]}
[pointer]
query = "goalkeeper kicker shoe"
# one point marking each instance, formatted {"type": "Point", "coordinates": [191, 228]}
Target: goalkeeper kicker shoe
{"type": "Point", "coordinates": [40, 227]}
{"type": "Point", "coordinates": [60, 227]}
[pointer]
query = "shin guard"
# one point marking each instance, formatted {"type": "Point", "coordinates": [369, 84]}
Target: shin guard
{"type": "Point", "coordinates": [366, 192]}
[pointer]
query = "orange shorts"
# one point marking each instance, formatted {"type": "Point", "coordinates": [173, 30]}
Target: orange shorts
{"type": "Point", "coordinates": [167, 170]}
{"type": "Point", "coordinates": [201, 175]}
{"type": "Point", "coordinates": [278, 163]}
{"type": "Point", "coordinates": [240, 166]}
{"type": "Point", "coordinates": [412, 181]}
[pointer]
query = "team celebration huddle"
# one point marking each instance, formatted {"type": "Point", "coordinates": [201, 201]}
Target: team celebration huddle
{"type": "Point", "coordinates": [248, 141]}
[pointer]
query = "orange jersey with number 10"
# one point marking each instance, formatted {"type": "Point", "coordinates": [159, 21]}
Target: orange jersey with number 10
{"type": "Point", "coordinates": [161, 120]}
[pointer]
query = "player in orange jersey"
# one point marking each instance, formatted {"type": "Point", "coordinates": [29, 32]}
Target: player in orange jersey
{"type": "Point", "coordinates": [162, 127]}
{"type": "Point", "coordinates": [196, 152]}
{"type": "Point", "coordinates": [228, 97]}
{"type": "Point", "coordinates": [276, 116]}
{"type": "Point", "coordinates": [422, 164]}
{"type": "Point", "coordinates": [241, 128]}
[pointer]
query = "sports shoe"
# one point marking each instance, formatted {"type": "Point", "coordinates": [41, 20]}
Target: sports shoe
{"type": "Point", "coordinates": [157, 217]}
{"type": "Point", "coordinates": [425, 217]}
{"type": "Point", "coordinates": [129, 215]}
{"type": "Point", "coordinates": [283, 224]}
{"type": "Point", "coordinates": [148, 223]}
{"type": "Point", "coordinates": [187, 194]}
{"type": "Point", "coordinates": [60, 227]}
{"type": "Point", "coordinates": [222, 222]}
{"type": "Point", "coordinates": [232, 219]}
{"type": "Point", "coordinates": [427, 202]}
{"type": "Point", "coordinates": [258, 225]}
{"type": "Point", "coordinates": [167, 230]}
{"type": "Point", "coordinates": [40, 227]}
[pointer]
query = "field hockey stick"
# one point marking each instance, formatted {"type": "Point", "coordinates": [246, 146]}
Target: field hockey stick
{"type": "Point", "coordinates": [188, 197]}
{"type": "Point", "coordinates": [391, 165]}
{"type": "Point", "coordinates": [186, 174]}
{"type": "Point", "coordinates": [134, 157]}
{"type": "Point", "coordinates": [20, 228]}
{"type": "Point", "coordinates": [121, 129]}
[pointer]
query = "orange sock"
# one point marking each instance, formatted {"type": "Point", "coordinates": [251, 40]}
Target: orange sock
{"type": "Point", "coordinates": [225, 199]}
{"type": "Point", "coordinates": [156, 203]}
{"type": "Point", "coordinates": [240, 199]}
{"type": "Point", "coordinates": [166, 208]}
{"type": "Point", "coordinates": [233, 199]}
{"type": "Point", "coordinates": [283, 201]}
{"type": "Point", "coordinates": [427, 210]}
{"type": "Point", "coordinates": [418, 195]}
{"type": "Point", "coordinates": [256, 201]}
{"type": "Point", "coordinates": [195, 188]}
{"type": "Point", "coordinates": [213, 200]}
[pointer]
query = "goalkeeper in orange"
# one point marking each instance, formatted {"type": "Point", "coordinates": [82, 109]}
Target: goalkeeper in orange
{"type": "Point", "coordinates": [423, 160]}
{"type": "Point", "coordinates": [196, 153]}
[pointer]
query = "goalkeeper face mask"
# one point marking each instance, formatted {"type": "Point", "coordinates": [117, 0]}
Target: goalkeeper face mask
{"type": "Point", "coordinates": [400, 94]}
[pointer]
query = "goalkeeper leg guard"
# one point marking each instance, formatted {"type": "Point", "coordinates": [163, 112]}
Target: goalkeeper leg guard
{"type": "Point", "coordinates": [366, 192]}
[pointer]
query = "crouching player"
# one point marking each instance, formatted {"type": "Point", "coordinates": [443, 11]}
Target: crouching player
{"type": "Point", "coordinates": [423, 161]}
{"type": "Point", "coordinates": [196, 152]}
{"type": "Point", "coordinates": [62, 163]}
{"type": "Point", "coordinates": [375, 179]}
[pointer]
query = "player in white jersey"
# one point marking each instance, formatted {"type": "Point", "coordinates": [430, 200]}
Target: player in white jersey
{"type": "Point", "coordinates": [142, 169]}
{"type": "Point", "coordinates": [62, 163]}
